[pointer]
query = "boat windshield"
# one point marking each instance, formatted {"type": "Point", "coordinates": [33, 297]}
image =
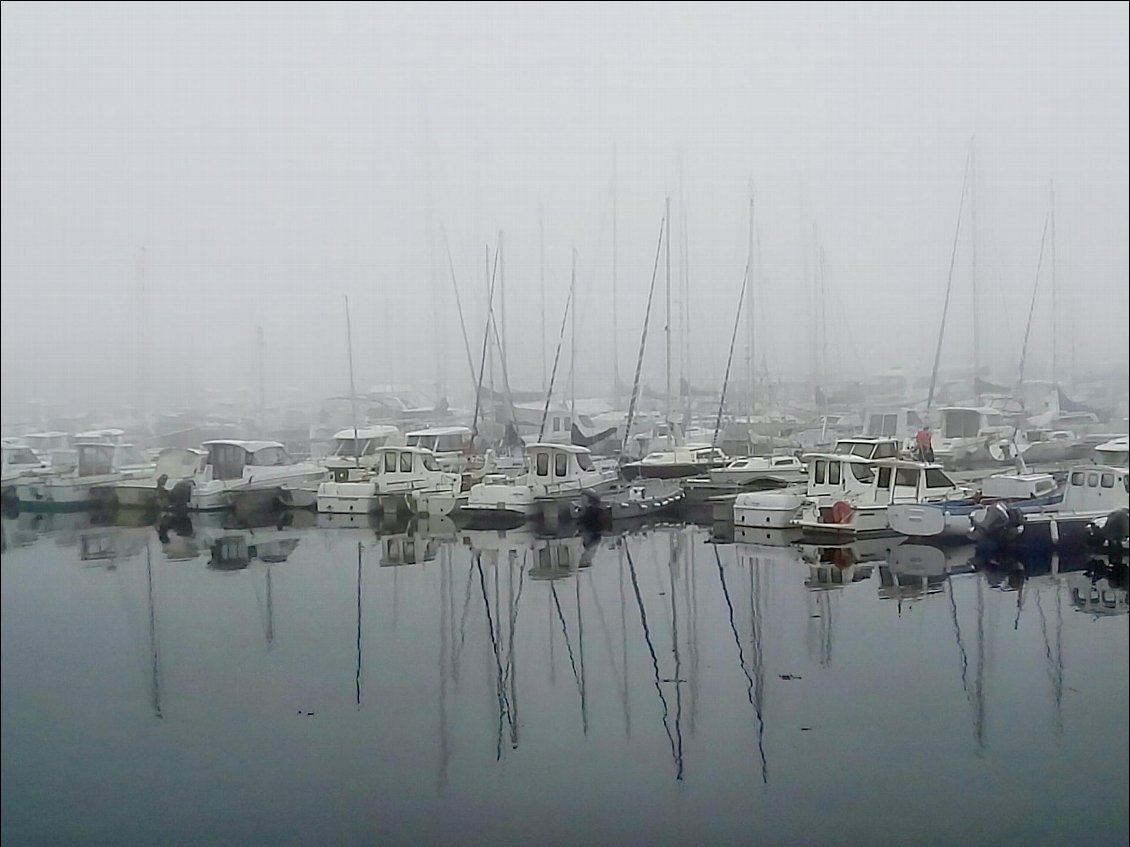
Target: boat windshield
{"type": "Point", "coordinates": [585, 461]}
{"type": "Point", "coordinates": [20, 456]}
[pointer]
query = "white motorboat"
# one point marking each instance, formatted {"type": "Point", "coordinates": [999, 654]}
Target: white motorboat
{"type": "Point", "coordinates": [1093, 492]}
{"type": "Point", "coordinates": [173, 463]}
{"type": "Point", "coordinates": [250, 470]}
{"type": "Point", "coordinates": [98, 466]}
{"type": "Point", "coordinates": [692, 459]}
{"type": "Point", "coordinates": [865, 511]}
{"type": "Point", "coordinates": [556, 474]}
{"type": "Point", "coordinates": [782, 470]}
{"type": "Point", "coordinates": [966, 433]}
{"type": "Point", "coordinates": [950, 518]}
{"type": "Point", "coordinates": [831, 477]}
{"type": "Point", "coordinates": [19, 461]}
{"type": "Point", "coordinates": [399, 478]}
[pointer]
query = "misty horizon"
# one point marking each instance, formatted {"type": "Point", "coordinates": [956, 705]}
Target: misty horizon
{"type": "Point", "coordinates": [175, 177]}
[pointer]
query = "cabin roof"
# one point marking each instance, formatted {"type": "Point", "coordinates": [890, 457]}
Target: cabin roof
{"type": "Point", "coordinates": [249, 446]}
{"type": "Point", "coordinates": [99, 433]}
{"type": "Point", "coordinates": [839, 457]}
{"type": "Point", "coordinates": [392, 448]}
{"type": "Point", "coordinates": [441, 430]}
{"type": "Point", "coordinates": [564, 448]}
{"type": "Point", "coordinates": [366, 432]}
{"type": "Point", "coordinates": [907, 463]}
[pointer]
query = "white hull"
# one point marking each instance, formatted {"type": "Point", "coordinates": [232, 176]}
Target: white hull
{"type": "Point", "coordinates": [343, 498]}
{"type": "Point", "coordinates": [817, 520]}
{"type": "Point", "coordinates": [767, 510]}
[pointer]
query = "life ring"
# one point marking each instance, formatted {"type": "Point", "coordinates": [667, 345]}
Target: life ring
{"type": "Point", "coordinates": [842, 558]}
{"type": "Point", "coordinates": [842, 512]}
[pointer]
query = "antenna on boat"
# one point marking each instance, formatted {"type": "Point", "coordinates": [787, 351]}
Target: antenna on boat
{"type": "Point", "coordinates": [352, 388]}
{"type": "Point", "coordinates": [459, 306]}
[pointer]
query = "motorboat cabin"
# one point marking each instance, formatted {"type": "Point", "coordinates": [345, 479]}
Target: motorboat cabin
{"type": "Point", "coordinates": [246, 466]}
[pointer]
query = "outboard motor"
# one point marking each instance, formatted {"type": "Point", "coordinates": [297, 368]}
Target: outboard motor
{"type": "Point", "coordinates": [1000, 524]}
{"type": "Point", "coordinates": [180, 497]}
{"type": "Point", "coordinates": [594, 516]}
{"type": "Point", "coordinates": [1111, 532]}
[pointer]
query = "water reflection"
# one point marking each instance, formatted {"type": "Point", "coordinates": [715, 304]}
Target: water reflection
{"type": "Point", "coordinates": [509, 668]}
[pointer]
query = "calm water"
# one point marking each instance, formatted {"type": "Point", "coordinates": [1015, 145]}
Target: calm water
{"type": "Point", "coordinates": [318, 685]}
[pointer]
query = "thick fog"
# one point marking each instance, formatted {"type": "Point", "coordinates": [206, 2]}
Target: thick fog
{"type": "Point", "coordinates": [177, 176]}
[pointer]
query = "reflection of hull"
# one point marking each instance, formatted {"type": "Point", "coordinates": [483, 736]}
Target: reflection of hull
{"type": "Point", "coordinates": [771, 537]}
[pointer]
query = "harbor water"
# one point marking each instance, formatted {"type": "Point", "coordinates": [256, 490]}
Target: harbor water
{"type": "Point", "coordinates": [347, 684]}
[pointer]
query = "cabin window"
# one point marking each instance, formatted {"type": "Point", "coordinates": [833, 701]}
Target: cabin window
{"type": "Point", "coordinates": [779, 462]}
{"type": "Point", "coordinates": [884, 478]}
{"type": "Point", "coordinates": [833, 473]}
{"type": "Point", "coordinates": [269, 457]}
{"type": "Point", "coordinates": [1077, 478]}
{"type": "Point", "coordinates": [541, 464]}
{"type": "Point", "coordinates": [819, 473]}
{"type": "Point", "coordinates": [94, 461]}
{"type": "Point", "coordinates": [568, 423]}
{"type": "Point", "coordinates": [1092, 480]}
{"type": "Point", "coordinates": [226, 461]}
{"type": "Point", "coordinates": [912, 420]}
{"type": "Point", "coordinates": [430, 463]}
{"type": "Point", "coordinates": [906, 477]}
{"type": "Point", "coordinates": [560, 464]}
{"type": "Point", "coordinates": [390, 462]}
{"type": "Point", "coordinates": [937, 479]}
{"type": "Point", "coordinates": [406, 463]}
{"type": "Point", "coordinates": [585, 461]}
{"type": "Point", "coordinates": [885, 451]}
{"type": "Point", "coordinates": [556, 424]}
{"type": "Point", "coordinates": [862, 472]}
{"type": "Point", "coordinates": [22, 456]}
{"type": "Point", "coordinates": [1108, 480]}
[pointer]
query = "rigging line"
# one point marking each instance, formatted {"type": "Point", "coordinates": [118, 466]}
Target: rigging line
{"type": "Point", "coordinates": [1032, 304]}
{"type": "Point", "coordinates": [949, 282]}
{"type": "Point", "coordinates": [607, 637]}
{"type": "Point", "coordinates": [643, 342]}
{"type": "Point", "coordinates": [458, 305]}
{"type": "Point", "coordinates": [463, 621]}
{"type": "Point", "coordinates": [357, 676]}
{"type": "Point", "coordinates": [979, 688]}
{"type": "Point", "coordinates": [155, 650]}
{"type": "Point", "coordinates": [757, 663]}
{"type": "Point", "coordinates": [565, 632]}
{"type": "Point", "coordinates": [742, 664]}
{"type": "Point", "coordinates": [624, 637]}
{"type": "Point", "coordinates": [483, 358]}
{"type": "Point", "coordinates": [581, 655]}
{"type": "Point", "coordinates": [508, 676]}
{"type": "Point", "coordinates": [514, 615]}
{"type": "Point", "coordinates": [960, 645]}
{"type": "Point", "coordinates": [672, 560]}
{"type": "Point", "coordinates": [654, 658]}
{"type": "Point", "coordinates": [730, 358]}
{"type": "Point", "coordinates": [500, 691]}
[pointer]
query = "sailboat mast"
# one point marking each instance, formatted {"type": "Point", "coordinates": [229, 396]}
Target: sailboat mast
{"type": "Point", "coordinates": [1055, 309]}
{"type": "Point", "coordinates": [751, 360]}
{"type": "Point", "coordinates": [973, 240]}
{"type": "Point", "coordinates": [667, 260]}
{"type": "Point", "coordinates": [541, 289]}
{"type": "Point", "coordinates": [686, 369]}
{"type": "Point", "coordinates": [615, 313]}
{"type": "Point", "coordinates": [259, 354]}
{"type": "Point", "coordinates": [573, 343]}
{"type": "Point", "coordinates": [352, 388]}
{"type": "Point", "coordinates": [949, 290]}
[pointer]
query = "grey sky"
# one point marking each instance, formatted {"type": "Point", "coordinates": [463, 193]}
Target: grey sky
{"type": "Point", "coordinates": [271, 159]}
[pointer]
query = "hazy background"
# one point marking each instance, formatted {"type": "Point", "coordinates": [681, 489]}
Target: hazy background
{"type": "Point", "coordinates": [260, 162]}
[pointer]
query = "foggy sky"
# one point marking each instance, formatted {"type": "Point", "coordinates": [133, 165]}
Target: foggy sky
{"type": "Point", "coordinates": [261, 162]}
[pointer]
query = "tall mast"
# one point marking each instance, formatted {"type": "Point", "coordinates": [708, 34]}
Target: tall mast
{"type": "Point", "coordinates": [439, 335]}
{"type": "Point", "coordinates": [141, 356]}
{"type": "Point", "coordinates": [1055, 312]}
{"type": "Point", "coordinates": [262, 392]}
{"type": "Point", "coordinates": [667, 260]}
{"type": "Point", "coordinates": [949, 290]}
{"type": "Point", "coordinates": [541, 288]}
{"type": "Point", "coordinates": [573, 342]}
{"type": "Point", "coordinates": [352, 388]}
{"type": "Point", "coordinates": [685, 371]}
{"type": "Point", "coordinates": [502, 295]}
{"type": "Point", "coordinates": [973, 239]}
{"type": "Point", "coordinates": [750, 358]}
{"type": "Point", "coordinates": [615, 315]}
